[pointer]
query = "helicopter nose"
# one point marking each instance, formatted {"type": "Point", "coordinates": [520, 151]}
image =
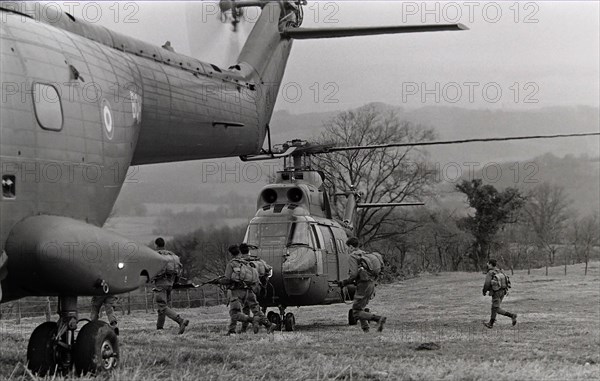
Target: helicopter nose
{"type": "Point", "coordinates": [53, 255]}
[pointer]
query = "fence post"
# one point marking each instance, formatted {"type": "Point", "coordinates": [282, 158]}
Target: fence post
{"type": "Point", "coordinates": [203, 298]}
{"type": "Point", "coordinates": [146, 298]}
{"type": "Point", "coordinates": [19, 311]}
{"type": "Point", "coordinates": [187, 293]}
{"type": "Point", "coordinates": [129, 303]}
{"type": "Point", "coordinates": [48, 309]}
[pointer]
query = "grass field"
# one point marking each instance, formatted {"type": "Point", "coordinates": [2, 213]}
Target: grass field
{"type": "Point", "coordinates": [557, 337]}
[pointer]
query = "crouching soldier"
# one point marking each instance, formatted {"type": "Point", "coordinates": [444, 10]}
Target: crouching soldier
{"type": "Point", "coordinates": [163, 285]}
{"type": "Point", "coordinates": [363, 271]}
{"type": "Point", "coordinates": [241, 278]}
{"type": "Point", "coordinates": [497, 284]}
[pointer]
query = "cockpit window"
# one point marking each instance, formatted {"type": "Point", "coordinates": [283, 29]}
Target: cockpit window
{"type": "Point", "coordinates": [300, 235]}
{"type": "Point", "coordinates": [269, 234]}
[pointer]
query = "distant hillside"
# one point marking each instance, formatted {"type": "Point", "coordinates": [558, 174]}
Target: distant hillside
{"type": "Point", "coordinates": [580, 176]}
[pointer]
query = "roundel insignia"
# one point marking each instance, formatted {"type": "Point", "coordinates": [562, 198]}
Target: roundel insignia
{"type": "Point", "coordinates": [107, 119]}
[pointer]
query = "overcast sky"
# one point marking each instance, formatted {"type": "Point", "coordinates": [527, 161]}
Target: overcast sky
{"type": "Point", "coordinates": [515, 55]}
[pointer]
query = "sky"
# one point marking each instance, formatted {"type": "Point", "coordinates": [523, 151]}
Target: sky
{"type": "Point", "coordinates": [515, 55]}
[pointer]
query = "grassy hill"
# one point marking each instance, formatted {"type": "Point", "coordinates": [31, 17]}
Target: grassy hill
{"type": "Point", "coordinates": [557, 337]}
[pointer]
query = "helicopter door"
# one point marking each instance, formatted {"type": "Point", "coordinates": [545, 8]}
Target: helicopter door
{"type": "Point", "coordinates": [331, 254]}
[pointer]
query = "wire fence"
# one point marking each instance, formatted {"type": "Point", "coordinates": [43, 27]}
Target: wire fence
{"type": "Point", "coordinates": [140, 300]}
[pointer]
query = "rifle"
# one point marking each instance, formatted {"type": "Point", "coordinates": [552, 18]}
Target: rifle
{"type": "Point", "coordinates": [214, 281]}
{"type": "Point", "coordinates": [182, 282]}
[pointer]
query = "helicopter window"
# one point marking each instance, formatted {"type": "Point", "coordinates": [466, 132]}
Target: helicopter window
{"type": "Point", "coordinates": [315, 236]}
{"type": "Point", "coordinates": [273, 234]}
{"type": "Point", "coordinates": [48, 109]}
{"type": "Point", "coordinates": [300, 235]}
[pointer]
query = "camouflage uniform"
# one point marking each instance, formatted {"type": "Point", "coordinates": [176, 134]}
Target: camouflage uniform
{"type": "Point", "coordinates": [365, 291]}
{"type": "Point", "coordinates": [163, 285]}
{"type": "Point", "coordinates": [246, 308]}
{"type": "Point", "coordinates": [108, 301]}
{"type": "Point", "coordinates": [242, 296]}
{"type": "Point", "coordinates": [497, 297]}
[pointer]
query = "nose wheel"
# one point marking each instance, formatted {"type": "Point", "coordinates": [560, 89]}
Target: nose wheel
{"type": "Point", "coordinates": [274, 318]}
{"type": "Point", "coordinates": [287, 320]}
{"type": "Point", "coordinates": [43, 351]}
{"type": "Point", "coordinates": [53, 348]}
{"type": "Point", "coordinates": [96, 349]}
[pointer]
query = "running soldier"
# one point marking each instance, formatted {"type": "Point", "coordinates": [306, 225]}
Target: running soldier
{"type": "Point", "coordinates": [497, 284]}
{"type": "Point", "coordinates": [163, 285]}
{"type": "Point", "coordinates": [109, 302]}
{"type": "Point", "coordinates": [241, 278]}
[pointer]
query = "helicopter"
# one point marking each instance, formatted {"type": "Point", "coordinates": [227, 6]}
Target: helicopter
{"type": "Point", "coordinates": [293, 229]}
{"type": "Point", "coordinates": [81, 104]}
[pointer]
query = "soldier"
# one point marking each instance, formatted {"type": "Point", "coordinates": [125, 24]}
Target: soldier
{"type": "Point", "coordinates": [241, 293]}
{"type": "Point", "coordinates": [365, 288]}
{"type": "Point", "coordinates": [498, 294]}
{"type": "Point", "coordinates": [163, 285]}
{"type": "Point", "coordinates": [108, 301]}
{"type": "Point", "coordinates": [245, 255]}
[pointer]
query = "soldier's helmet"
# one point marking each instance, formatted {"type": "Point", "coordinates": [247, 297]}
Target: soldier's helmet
{"type": "Point", "coordinates": [159, 242]}
{"type": "Point", "coordinates": [352, 241]}
{"type": "Point", "coordinates": [234, 250]}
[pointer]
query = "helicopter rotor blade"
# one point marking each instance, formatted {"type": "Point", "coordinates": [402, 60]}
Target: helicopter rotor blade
{"type": "Point", "coordinates": [388, 204]}
{"type": "Point", "coordinates": [314, 33]}
{"type": "Point", "coordinates": [460, 141]}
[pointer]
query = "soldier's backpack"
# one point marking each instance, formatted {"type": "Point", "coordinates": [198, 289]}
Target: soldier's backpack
{"type": "Point", "coordinates": [173, 268]}
{"type": "Point", "coordinates": [244, 272]}
{"type": "Point", "coordinates": [263, 268]}
{"type": "Point", "coordinates": [372, 262]}
{"type": "Point", "coordinates": [500, 281]}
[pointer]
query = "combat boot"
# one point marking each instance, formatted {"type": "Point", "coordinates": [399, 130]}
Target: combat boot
{"type": "Point", "coordinates": [160, 322]}
{"type": "Point", "coordinates": [113, 325]}
{"type": "Point", "coordinates": [255, 325]}
{"type": "Point", "coordinates": [182, 324]}
{"type": "Point", "coordinates": [514, 319]}
{"type": "Point", "coordinates": [489, 325]}
{"type": "Point", "coordinates": [244, 327]}
{"type": "Point", "coordinates": [382, 321]}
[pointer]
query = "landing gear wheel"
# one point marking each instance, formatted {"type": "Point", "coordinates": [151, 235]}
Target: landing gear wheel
{"type": "Point", "coordinates": [96, 349]}
{"type": "Point", "coordinates": [289, 322]}
{"type": "Point", "coordinates": [274, 318]}
{"type": "Point", "coordinates": [42, 349]}
{"type": "Point", "coordinates": [351, 319]}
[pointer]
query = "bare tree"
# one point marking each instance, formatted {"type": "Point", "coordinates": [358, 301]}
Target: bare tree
{"type": "Point", "coordinates": [585, 235]}
{"type": "Point", "coordinates": [382, 175]}
{"type": "Point", "coordinates": [547, 211]}
{"type": "Point", "coordinates": [515, 246]}
{"type": "Point", "coordinates": [204, 253]}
